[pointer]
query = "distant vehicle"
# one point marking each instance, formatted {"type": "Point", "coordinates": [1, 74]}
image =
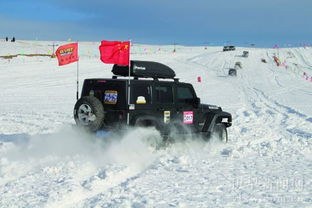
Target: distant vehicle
{"type": "Point", "coordinates": [167, 104]}
{"type": "Point", "coordinates": [226, 48]}
{"type": "Point", "coordinates": [245, 54]}
{"type": "Point", "coordinates": [263, 61]}
{"type": "Point", "coordinates": [238, 64]}
{"type": "Point", "coordinates": [229, 48]}
{"type": "Point", "coordinates": [232, 72]}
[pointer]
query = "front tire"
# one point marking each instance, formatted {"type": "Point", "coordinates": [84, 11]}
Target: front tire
{"type": "Point", "coordinates": [220, 132]}
{"type": "Point", "coordinates": [89, 113]}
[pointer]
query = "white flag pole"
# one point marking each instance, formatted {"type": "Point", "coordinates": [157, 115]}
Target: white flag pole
{"type": "Point", "coordinates": [77, 95]}
{"type": "Point", "coordinates": [128, 114]}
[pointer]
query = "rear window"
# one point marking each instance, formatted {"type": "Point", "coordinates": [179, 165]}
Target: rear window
{"type": "Point", "coordinates": [141, 91]}
{"type": "Point", "coordinates": [164, 94]}
{"type": "Point", "coordinates": [184, 94]}
{"type": "Point", "coordinates": [111, 93]}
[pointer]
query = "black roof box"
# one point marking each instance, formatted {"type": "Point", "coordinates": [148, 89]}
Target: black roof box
{"type": "Point", "coordinates": [146, 69]}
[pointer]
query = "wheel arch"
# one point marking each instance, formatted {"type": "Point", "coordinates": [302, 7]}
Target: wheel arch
{"type": "Point", "coordinates": [214, 118]}
{"type": "Point", "coordinates": [145, 120]}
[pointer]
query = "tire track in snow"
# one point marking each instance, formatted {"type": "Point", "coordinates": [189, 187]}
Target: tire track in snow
{"type": "Point", "coordinates": [302, 58]}
{"type": "Point", "coordinates": [68, 167]}
{"type": "Point", "coordinates": [263, 116]}
{"type": "Point", "coordinates": [267, 108]}
{"type": "Point", "coordinates": [127, 159]}
{"type": "Point", "coordinates": [288, 114]}
{"type": "Point", "coordinates": [94, 186]}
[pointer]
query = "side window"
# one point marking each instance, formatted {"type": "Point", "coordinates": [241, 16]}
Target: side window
{"type": "Point", "coordinates": [141, 92]}
{"type": "Point", "coordinates": [184, 95]}
{"type": "Point", "coordinates": [163, 94]}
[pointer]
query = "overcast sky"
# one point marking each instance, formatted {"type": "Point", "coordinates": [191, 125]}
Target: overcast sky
{"type": "Point", "coordinates": [186, 22]}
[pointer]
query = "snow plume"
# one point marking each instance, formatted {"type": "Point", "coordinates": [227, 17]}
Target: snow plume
{"type": "Point", "coordinates": [184, 144]}
{"type": "Point", "coordinates": [136, 148]}
{"type": "Point", "coordinates": [133, 147]}
{"type": "Point", "coordinates": [74, 149]}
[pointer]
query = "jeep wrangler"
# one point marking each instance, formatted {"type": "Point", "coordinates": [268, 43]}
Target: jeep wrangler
{"type": "Point", "coordinates": [148, 95]}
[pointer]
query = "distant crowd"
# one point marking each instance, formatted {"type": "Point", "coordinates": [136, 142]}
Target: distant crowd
{"type": "Point", "coordinates": [7, 39]}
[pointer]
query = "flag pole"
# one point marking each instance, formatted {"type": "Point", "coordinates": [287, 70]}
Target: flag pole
{"type": "Point", "coordinates": [77, 95]}
{"type": "Point", "coordinates": [128, 114]}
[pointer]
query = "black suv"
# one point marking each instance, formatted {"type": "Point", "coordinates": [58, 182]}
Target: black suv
{"type": "Point", "coordinates": [157, 99]}
{"type": "Point", "coordinates": [229, 48]}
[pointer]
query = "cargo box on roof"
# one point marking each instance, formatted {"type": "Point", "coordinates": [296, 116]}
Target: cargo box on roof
{"type": "Point", "coordinates": [146, 69]}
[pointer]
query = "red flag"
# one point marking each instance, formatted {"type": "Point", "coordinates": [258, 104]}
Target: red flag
{"type": "Point", "coordinates": [199, 79]}
{"type": "Point", "coordinates": [115, 52]}
{"type": "Point", "coordinates": [67, 54]}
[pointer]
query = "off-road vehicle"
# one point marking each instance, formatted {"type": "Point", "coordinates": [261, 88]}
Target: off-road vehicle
{"type": "Point", "coordinates": [232, 72]}
{"type": "Point", "coordinates": [238, 65]}
{"type": "Point", "coordinates": [229, 48]}
{"type": "Point", "coordinates": [245, 54]}
{"type": "Point", "coordinates": [147, 95]}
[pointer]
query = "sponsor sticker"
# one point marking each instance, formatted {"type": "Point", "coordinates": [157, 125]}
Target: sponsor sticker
{"type": "Point", "coordinates": [187, 117]}
{"type": "Point", "coordinates": [213, 107]}
{"type": "Point", "coordinates": [110, 97]}
{"type": "Point", "coordinates": [131, 107]}
{"type": "Point", "coordinates": [166, 117]}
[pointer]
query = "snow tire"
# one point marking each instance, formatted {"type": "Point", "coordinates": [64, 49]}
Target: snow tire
{"type": "Point", "coordinates": [220, 132]}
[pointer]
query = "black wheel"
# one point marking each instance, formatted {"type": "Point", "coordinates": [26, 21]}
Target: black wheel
{"type": "Point", "coordinates": [89, 113]}
{"type": "Point", "coordinates": [220, 132]}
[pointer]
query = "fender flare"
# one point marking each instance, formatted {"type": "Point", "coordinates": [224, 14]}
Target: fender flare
{"type": "Point", "coordinates": [152, 119]}
{"type": "Point", "coordinates": [216, 117]}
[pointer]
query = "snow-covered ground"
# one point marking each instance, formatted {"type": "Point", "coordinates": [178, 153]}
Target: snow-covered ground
{"type": "Point", "coordinates": [45, 162]}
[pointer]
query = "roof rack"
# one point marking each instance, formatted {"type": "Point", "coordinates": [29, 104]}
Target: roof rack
{"type": "Point", "coordinates": [154, 78]}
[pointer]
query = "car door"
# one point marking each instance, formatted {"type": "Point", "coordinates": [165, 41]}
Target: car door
{"type": "Point", "coordinates": [186, 107]}
{"type": "Point", "coordinates": [164, 104]}
{"type": "Point", "coordinates": [141, 104]}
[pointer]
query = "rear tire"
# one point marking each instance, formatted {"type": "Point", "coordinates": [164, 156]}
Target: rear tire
{"type": "Point", "coordinates": [89, 113]}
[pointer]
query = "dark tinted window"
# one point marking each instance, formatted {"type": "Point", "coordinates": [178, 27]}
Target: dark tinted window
{"type": "Point", "coordinates": [164, 94]}
{"type": "Point", "coordinates": [184, 95]}
{"type": "Point", "coordinates": [141, 89]}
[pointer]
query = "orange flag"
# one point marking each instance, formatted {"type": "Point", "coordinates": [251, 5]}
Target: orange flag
{"type": "Point", "coordinates": [67, 54]}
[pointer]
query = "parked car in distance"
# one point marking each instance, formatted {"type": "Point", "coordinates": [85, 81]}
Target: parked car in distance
{"type": "Point", "coordinates": [229, 48]}
{"type": "Point", "coordinates": [245, 54]}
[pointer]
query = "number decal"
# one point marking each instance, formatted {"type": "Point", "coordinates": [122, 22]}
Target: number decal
{"type": "Point", "coordinates": [188, 117]}
{"type": "Point", "coordinates": [166, 117]}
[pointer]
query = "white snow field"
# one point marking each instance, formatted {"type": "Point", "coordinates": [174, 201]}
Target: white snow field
{"type": "Point", "coordinates": [45, 162]}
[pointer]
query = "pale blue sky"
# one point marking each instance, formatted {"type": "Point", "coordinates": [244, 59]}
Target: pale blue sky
{"type": "Point", "coordinates": [186, 22]}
